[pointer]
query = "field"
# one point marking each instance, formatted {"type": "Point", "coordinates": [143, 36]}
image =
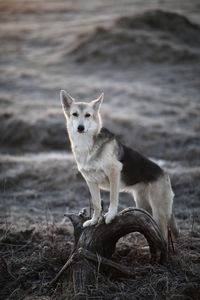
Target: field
{"type": "Point", "coordinates": [145, 56]}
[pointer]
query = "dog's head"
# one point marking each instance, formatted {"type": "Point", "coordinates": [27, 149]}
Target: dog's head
{"type": "Point", "coordinates": [82, 117]}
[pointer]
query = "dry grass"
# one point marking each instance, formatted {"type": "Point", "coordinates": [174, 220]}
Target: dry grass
{"type": "Point", "coordinates": [31, 258]}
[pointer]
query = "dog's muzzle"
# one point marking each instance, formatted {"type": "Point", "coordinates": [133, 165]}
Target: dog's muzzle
{"type": "Point", "coordinates": [81, 128]}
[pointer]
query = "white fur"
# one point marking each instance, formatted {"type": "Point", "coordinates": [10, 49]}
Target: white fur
{"type": "Point", "coordinates": [104, 171]}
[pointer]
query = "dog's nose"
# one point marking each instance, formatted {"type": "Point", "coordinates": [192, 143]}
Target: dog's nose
{"type": "Point", "coordinates": [81, 128]}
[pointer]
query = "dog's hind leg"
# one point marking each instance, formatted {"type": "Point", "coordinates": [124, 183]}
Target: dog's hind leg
{"type": "Point", "coordinates": [173, 227]}
{"type": "Point", "coordinates": [161, 198]}
{"type": "Point", "coordinates": [161, 219]}
{"type": "Point", "coordinates": [96, 201]}
{"type": "Point", "coordinates": [141, 196]}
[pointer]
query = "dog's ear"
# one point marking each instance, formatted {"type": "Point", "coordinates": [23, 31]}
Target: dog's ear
{"type": "Point", "coordinates": [97, 102]}
{"type": "Point", "coordinates": [66, 101]}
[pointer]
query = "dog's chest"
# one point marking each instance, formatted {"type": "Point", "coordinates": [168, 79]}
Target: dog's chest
{"type": "Point", "coordinates": [91, 168]}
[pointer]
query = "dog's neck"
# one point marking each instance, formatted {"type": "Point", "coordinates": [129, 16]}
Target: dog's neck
{"type": "Point", "coordinates": [81, 144]}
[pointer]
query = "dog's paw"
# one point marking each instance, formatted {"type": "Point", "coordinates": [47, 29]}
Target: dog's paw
{"type": "Point", "coordinates": [109, 216]}
{"type": "Point", "coordinates": [101, 221]}
{"type": "Point", "coordinates": [90, 222]}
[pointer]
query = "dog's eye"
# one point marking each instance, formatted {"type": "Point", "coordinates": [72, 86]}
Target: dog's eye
{"type": "Point", "coordinates": [87, 115]}
{"type": "Point", "coordinates": [75, 114]}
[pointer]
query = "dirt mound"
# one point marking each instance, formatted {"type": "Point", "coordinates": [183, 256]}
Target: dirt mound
{"type": "Point", "coordinates": [154, 37]}
{"type": "Point", "coordinates": [18, 134]}
{"type": "Point", "coordinates": [175, 24]}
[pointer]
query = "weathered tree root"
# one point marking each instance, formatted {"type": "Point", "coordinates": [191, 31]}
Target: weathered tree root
{"type": "Point", "coordinates": [94, 245]}
{"type": "Point", "coordinates": [102, 238]}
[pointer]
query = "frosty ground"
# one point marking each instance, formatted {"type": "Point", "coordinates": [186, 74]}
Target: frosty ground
{"type": "Point", "coordinates": [146, 59]}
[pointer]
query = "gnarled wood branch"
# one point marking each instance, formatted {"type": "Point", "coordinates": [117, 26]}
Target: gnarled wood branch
{"type": "Point", "coordinates": [94, 245]}
{"type": "Point", "coordinates": [102, 238]}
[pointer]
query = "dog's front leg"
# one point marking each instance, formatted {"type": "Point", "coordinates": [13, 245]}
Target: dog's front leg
{"type": "Point", "coordinates": [114, 178]}
{"type": "Point", "coordinates": [96, 201]}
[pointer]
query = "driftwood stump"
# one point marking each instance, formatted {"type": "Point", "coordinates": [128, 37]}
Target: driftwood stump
{"type": "Point", "coordinates": [94, 245]}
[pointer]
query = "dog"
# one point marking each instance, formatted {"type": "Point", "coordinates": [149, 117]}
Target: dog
{"type": "Point", "coordinates": [105, 163]}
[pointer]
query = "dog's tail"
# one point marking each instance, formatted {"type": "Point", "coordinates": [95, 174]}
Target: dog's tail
{"type": "Point", "coordinates": [173, 227]}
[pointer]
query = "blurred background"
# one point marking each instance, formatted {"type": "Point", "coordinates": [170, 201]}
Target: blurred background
{"type": "Point", "coordinates": [144, 55]}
